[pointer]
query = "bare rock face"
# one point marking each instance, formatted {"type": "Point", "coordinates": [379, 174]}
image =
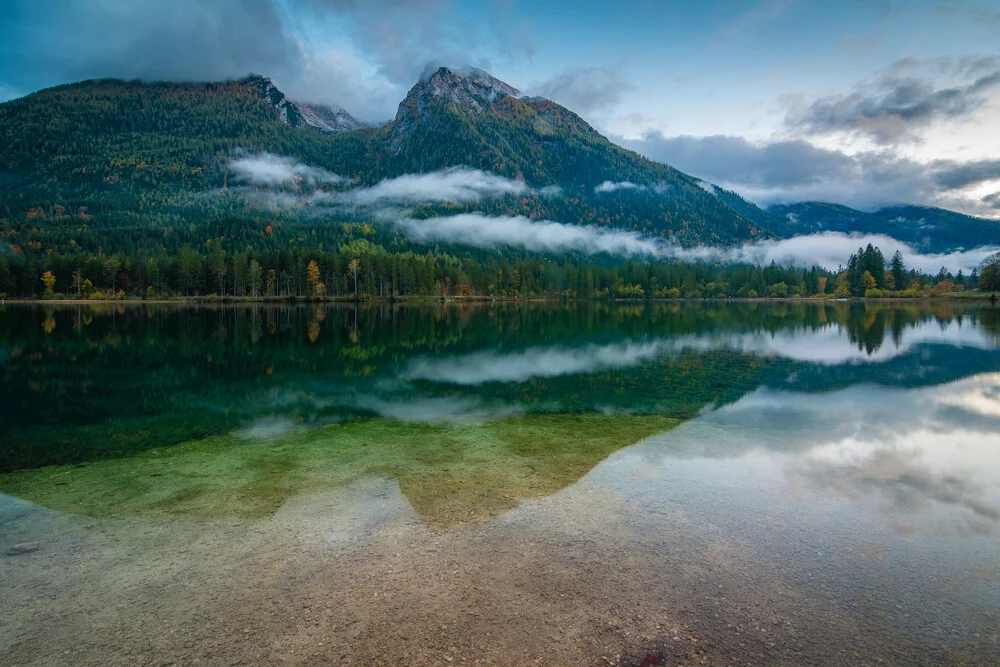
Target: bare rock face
{"type": "Point", "coordinates": [329, 119]}
{"type": "Point", "coordinates": [325, 118]}
{"type": "Point", "coordinates": [471, 88]}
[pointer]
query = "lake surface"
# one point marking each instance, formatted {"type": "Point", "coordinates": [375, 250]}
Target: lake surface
{"type": "Point", "coordinates": [710, 483]}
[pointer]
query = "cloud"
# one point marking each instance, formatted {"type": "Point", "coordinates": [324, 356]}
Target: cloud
{"type": "Point", "coordinates": [827, 249]}
{"type": "Point", "coordinates": [952, 176]}
{"type": "Point", "coordinates": [613, 186]}
{"type": "Point", "coordinates": [993, 200]}
{"type": "Point", "coordinates": [585, 90]}
{"type": "Point", "coordinates": [455, 185]}
{"type": "Point", "coordinates": [361, 56]}
{"type": "Point", "coordinates": [905, 99]}
{"type": "Point", "coordinates": [796, 170]}
{"type": "Point", "coordinates": [275, 170]}
{"type": "Point", "coordinates": [708, 187]}
{"type": "Point", "coordinates": [728, 159]}
{"type": "Point", "coordinates": [832, 249]}
{"type": "Point", "coordinates": [181, 40]}
{"type": "Point", "coordinates": [386, 200]}
{"type": "Point", "coordinates": [477, 230]}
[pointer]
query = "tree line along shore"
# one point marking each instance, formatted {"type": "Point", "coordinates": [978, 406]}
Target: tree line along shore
{"type": "Point", "coordinates": [363, 271]}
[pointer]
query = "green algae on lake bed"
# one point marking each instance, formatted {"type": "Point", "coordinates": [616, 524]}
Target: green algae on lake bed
{"type": "Point", "coordinates": [448, 472]}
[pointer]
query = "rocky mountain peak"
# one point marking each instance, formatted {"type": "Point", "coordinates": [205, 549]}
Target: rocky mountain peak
{"type": "Point", "coordinates": [325, 118]}
{"type": "Point", "coordinates": [469, 87]}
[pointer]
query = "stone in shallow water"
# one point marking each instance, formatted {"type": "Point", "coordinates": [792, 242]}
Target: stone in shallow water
{"type": "Point", "coordinates": [23, 548]}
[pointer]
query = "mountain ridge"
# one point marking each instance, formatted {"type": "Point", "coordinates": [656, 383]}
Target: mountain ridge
{"type": "Point", "coordinates": [925, 228]}
{"type": "Point", "coordinates": [122, 148]}
{"type": "Point", "coordinates": [132, 152]}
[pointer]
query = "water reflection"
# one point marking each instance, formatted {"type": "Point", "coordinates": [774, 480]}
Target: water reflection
{"type": "Point", "coordinates": [923, 459]}
{"type": "Point", "coordinates": [791, 482]}
{"type": "Point", "coordinates": [91, 381]}
{"type": "Point", "coordinates": [537, 362]}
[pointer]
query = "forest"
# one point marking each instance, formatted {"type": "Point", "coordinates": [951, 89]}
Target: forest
{"type": "Point", "coordinates": [362, 270]}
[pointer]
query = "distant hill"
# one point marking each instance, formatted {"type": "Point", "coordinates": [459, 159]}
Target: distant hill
{"type": "Point", "coordinates": [930, 230]}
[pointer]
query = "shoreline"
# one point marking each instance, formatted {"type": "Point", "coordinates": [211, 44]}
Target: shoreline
{"type": "Point", "coordinates": [451, 300]}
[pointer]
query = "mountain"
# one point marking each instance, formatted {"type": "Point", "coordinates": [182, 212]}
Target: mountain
{"type": "Point", "coordinates": [140, 161]}
{"type": "Point", "coordinates": [470, 118]}
{"type": "Point", "coordinates": [124, 166]}
{"type": "Point", "coordinates": [325, 118]}
{"type": "Point", "coordinates": [928, 229]}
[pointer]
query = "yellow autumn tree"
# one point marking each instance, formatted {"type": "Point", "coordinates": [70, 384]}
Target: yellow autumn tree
{"type": "Point", "coordinates": [49, 280]}
{"type": "Point", "coordinates": [312, 275]}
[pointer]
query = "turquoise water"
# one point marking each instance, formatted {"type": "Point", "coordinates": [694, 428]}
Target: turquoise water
{"type": "Point", "coordinates": [731, 482]}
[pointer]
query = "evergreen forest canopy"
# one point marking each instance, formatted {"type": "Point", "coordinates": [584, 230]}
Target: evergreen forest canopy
{"type": "Point", "coordinates": [114, 188]}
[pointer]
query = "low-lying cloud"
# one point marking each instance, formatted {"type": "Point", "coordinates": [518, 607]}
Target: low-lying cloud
{"type": "Point", "coordinates": [453, 185]}
{"type": "Point", "coordinates": [614, 186]}
{"type": "Point", "coordinates": [832, 249]}
{"type": "Point", "coordinates": [276, 170]}
{"type": "Point", "coordinates": [827, 249]}
{"type": "Point", "coordinates": [481, 231]}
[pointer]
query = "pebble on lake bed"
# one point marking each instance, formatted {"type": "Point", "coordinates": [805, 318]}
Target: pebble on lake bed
{"type": "Point", "coordinates": [23, 548]}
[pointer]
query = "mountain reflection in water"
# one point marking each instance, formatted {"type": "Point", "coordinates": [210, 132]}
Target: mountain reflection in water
{"type": "Point", "coordinates": [261, 390]}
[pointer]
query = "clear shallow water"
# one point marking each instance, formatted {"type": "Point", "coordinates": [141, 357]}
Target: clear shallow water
{"type": "Point", "coordinates": [778, 483]}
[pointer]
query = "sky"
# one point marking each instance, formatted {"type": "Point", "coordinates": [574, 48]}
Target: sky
{"type": "Point", "coordinates": [862, 102]}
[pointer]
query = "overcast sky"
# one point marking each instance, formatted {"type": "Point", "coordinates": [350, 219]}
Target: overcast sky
{"type": "Point", "coordinates": [862, 102]}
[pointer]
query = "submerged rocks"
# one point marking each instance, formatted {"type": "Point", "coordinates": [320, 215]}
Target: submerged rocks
{"type": "Point", "coordinates": [23, 548]}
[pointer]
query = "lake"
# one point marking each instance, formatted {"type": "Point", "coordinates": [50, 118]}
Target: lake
{"type": "Point", "coordinates": [638, 483]}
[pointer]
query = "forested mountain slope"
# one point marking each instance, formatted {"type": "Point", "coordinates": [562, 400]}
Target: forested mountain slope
{"type": "Point", "coordinates": [118, 165]}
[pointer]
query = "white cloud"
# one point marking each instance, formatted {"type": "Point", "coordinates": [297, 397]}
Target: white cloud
{"type": "Point", "coordinates": [455, 185]}
{"type": "Point", "coordinates": [274, 170]}
{"type": "Point", "coordinates": [826, 249]}
{"type": "Point", "coordinates": [832, 249]}
{"type": "Point", "coordinates": [708, 187]}
{"type": "Point", "coordinates": [475, 229]}
{"type": "Point", "coordinates": [612, 186]}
